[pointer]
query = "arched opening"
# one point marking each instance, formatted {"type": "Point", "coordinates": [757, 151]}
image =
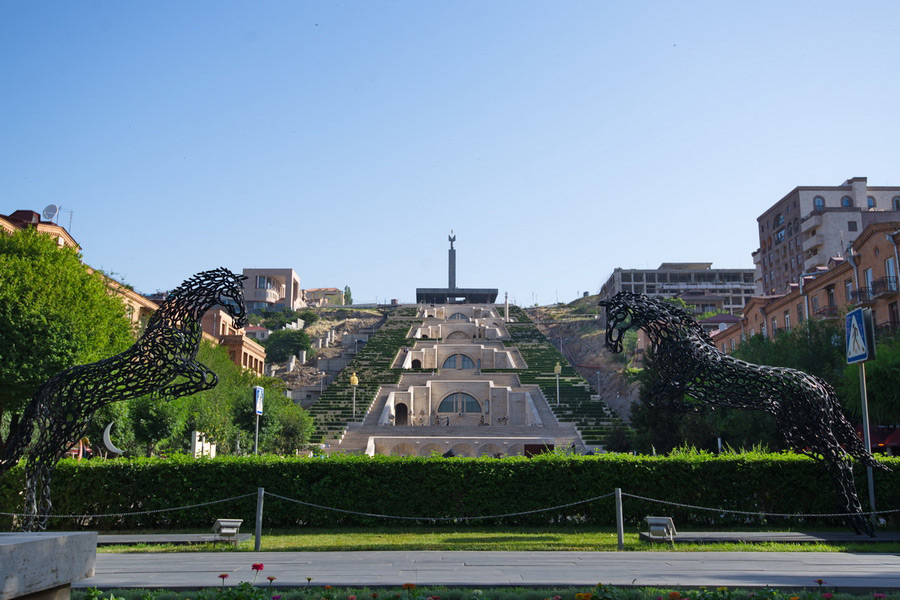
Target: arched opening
{"type": "Point", "coordinates": [458, 335]}
{"type": "Point", "coordinates": [460, 403]}
{"type": "Point", "coordinates": [458, 361]}
{"type": "Point", "coordinates": [458, 317]}
{"type": "Point", "coordinates": [416, 364]}
{"type": "Point", "coordinates": [401, 414]}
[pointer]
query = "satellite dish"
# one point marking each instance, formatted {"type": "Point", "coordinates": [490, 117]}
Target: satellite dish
{"type": "Point", "coordinates": [51, 211]}
{"type": "Point", "coordinates": [108, 442]}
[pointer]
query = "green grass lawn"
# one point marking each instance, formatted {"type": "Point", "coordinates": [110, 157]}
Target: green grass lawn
{"type": "Point", "coordinates": [484, 539]}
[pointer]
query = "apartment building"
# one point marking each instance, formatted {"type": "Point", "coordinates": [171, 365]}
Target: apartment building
{"type": "Point", "coordinates": [277, 289]}
{"type": "Point", "coordinates": [725, 289]}
{"type": "Point", "coordinates": [21, 219]}
{"type": "Point", "coordinates": [810, 225]}
{"type": "Point", "coordinates": [867, 275]}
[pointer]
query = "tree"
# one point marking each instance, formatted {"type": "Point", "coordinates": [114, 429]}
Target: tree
{"type": "Point", "coordinates": [54, 314]}
{"type": "Point", "coordinates": [348, 297]}
{"type": "Point", "coordinates": [153, 420]}
{"type": "Point", "coordinates": [882, 385]}
{"type": "Point", "coordinates": [285, 343]}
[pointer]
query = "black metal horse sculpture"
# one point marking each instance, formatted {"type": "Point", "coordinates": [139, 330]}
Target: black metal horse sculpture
{"type": "Point", "coordinates": [804, 406]}
{"type": "Point", "coordinates": [162, 362]}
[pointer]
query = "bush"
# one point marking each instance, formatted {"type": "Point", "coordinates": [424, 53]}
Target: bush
{"type": "Point", "coordinates": [438, 488]}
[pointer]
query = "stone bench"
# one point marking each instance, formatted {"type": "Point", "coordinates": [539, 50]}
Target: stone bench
{"type": "Point", "coordinates": [42, 566]}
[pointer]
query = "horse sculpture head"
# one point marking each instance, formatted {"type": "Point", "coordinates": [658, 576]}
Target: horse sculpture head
{"type": "Point", "coordinates": [620, 317]}
{"type": "Point", "coordinates": [216, 287]}
{"type": "Point", "coordinates": [627, 310]}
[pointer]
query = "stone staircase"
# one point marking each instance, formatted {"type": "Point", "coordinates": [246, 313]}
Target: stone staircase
{"type": "Point", "coordinates": [356, 437]}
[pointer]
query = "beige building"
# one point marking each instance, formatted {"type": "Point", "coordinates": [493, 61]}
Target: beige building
{"type": "Point", "coordinates": [277, 289]}
{"type": "Point", "coordinates": [324, 296]}
{"type": "Point", "coordinates": [28, 218]}
{"type": "Point", "coordinates": [867, 275]}
{"type": "Point", "coordinates": [810, 225]}
{"type": "Point", "coordinates": [243, 351]}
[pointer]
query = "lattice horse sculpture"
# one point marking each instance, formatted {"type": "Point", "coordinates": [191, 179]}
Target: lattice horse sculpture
{"type": "Point", "coordinates": [162, 362]}
{"type": "Point", "coordinates": [804, 406]}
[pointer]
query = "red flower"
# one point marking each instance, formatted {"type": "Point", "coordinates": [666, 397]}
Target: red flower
{"type": "Point", "coordinates": [327, 587]}
{"type": "Point", "coordinates": [257, 566]}
{"type": "Point", "coordinates": [223, 576]}
{"type": "Point", "coordinates": [408, 586]}
{"type": "Point", "coordinates": [270, 578]}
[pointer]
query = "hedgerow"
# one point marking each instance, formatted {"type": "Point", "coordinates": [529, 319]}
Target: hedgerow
{"type": "Point", "coordinates": [437, 488]}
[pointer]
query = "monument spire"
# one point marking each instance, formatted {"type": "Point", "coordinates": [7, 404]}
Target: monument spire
{"type": "Point", "coordinates": [452, 268]}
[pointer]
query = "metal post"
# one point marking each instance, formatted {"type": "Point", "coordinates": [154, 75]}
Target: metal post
{"type": "Point", "coordinates": [620, 522]}
{"type": "Point", "coordinates": [256, 438]}
{"type": "Point", "coordinates": [260, 492]}
{"type": "Point", "coordinates": [864, 401]}
{"type": "Point", "coordinates": [354, 401]}
{"type": "Point", "coordinates": [557, 389]}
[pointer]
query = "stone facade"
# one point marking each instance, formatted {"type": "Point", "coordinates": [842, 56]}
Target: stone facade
{"type": "Point", "coordinates": [810, 225]}
{"type": "Point", "coordinates": [272, 288]}
{"type": "Point", "coordinates": [867, 275]}
{"type": "Point", "coordinates": [731, 288]}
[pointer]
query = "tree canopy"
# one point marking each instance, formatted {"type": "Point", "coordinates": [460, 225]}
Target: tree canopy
{"type": "Point", "coordinates": [54, 314]}
{"type": "Point", "coordinates": [284, 343]}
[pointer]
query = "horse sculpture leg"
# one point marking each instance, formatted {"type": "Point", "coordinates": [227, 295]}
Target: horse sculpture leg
{"type": "Point", "coordinates": [845, 494]}
{"type": "Point", "coordinates": [37, 495]}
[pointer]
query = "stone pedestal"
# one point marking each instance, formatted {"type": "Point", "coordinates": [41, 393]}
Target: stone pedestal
{"type": "Point", "coordinates": [42, 566]}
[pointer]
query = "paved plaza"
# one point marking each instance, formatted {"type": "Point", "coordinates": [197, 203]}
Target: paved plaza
{"type": "Point", "coordinates": [841, 571]}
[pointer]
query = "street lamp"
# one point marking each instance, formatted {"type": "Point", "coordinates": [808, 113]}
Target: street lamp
{"type": "Point", "coordinates": [354, 382]}
{"type": "Point", "coordinates": [557, 369]}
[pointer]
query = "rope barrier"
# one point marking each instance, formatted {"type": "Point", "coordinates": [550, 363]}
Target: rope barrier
{"type": "Point", "coordinates": [365, 514]}
{"type": "Point", "coordinates": [470, 518]}
{"type": "Point", "coordinates": [758, 514]}
{"type": "Point", "coordinates": [140, 512]}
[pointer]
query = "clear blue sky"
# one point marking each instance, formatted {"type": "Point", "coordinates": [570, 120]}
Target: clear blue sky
{"type": "Point", "coordinates": [345, 139]}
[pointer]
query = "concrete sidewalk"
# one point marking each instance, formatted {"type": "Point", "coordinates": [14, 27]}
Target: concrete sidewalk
{"type": "Point", "coordinates": [841, 571]}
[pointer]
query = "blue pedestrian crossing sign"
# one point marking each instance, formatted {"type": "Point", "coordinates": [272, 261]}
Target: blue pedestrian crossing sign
{"type": "Point", "coordinates": [258, 393]}
{"type": "Point", "coordinates": [860, 336]}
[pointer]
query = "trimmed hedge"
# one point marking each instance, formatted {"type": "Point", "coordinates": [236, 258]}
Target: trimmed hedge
{"type": "Point", "coordinates": [437, 487]}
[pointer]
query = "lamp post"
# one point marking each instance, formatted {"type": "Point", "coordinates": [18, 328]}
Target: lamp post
{"type": "Point", "coordinates": [557, 369]}
{"type": "Point", "coordinates": [354, 381]}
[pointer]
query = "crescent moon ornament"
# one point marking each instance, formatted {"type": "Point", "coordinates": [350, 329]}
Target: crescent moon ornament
{"type": "Point", "coordinates": [108, 442]}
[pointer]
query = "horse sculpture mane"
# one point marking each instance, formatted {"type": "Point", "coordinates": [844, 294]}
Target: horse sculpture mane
{"type": "Point", "coordinates": [805, 407]}
{"type": "Point", "coordinates": [161, 362]}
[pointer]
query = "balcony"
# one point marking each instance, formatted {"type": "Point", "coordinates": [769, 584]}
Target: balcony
{"type": "Point", "coordinates": [884, 287]}
{"type": "Point", "coordinates": [829, 311]}
{"type": "Point", "coordinates": [862, 296]}
{"type": "Point", "coordinates": [813, 221]}
{"type": "Point", "coordinates": [268, 296]}
{"type": "Point", "coordinates": [813, 242]}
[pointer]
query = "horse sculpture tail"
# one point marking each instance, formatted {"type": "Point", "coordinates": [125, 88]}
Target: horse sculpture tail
{"type": "Point", "coordinates": [854, 446]}
{"type": "Point", "coordinates": [18, 443]}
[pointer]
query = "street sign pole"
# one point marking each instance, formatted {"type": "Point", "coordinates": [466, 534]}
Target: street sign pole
{"type": "Point", "coordinates": [860, 348]}
{"type": "Point", "coordinates": [258, 392]}
{"type": "Point", "coordinates": [866, 437]}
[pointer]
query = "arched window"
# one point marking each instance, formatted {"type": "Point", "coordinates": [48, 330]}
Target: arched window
{"type": "Point", "coordinates": [896, 202]}
{"type": "Point", "coordinates": [818, 203]}
{"type": "Point", "coordinates": [458, 316]}
{"type": "Point", "coordinates": [870, 202]}
{"type": "Point", "coordinates": [458, 361]}
{"type": "Point", "coordinates": [460, 402]}
{"type": "Point", "coordinates": [846, 201]}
